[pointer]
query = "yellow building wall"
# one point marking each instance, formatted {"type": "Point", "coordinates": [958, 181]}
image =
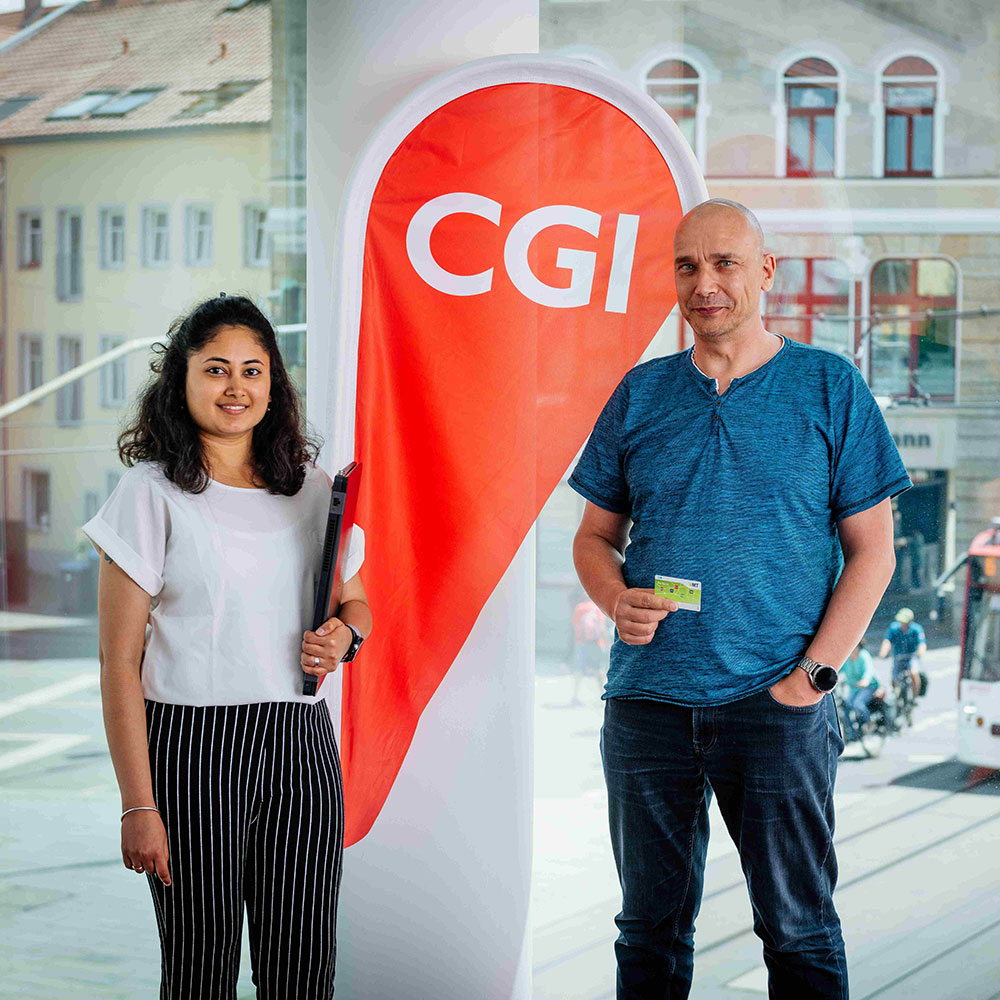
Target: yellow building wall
{"type": "Point", "coordinates": [226, 168]}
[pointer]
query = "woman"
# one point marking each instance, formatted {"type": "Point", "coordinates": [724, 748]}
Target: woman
{"type": "Point", "coordinates": [862, 686]}
{"type": "Point", "coordinates": [229, 775]}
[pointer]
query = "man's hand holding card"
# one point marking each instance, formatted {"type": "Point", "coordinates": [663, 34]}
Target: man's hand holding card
{"type": "Point", "coordinates": [637, 612]}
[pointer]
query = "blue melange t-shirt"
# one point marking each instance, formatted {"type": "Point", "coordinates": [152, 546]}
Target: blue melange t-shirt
{"type": "Point", "coordinates": [743, 492]}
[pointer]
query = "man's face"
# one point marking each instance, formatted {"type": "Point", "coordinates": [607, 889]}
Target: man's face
{"type": "Point", "coordinates": [720, 271]}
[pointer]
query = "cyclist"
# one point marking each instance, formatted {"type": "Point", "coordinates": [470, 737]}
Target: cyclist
{"type": "Point", "coordinates": [861, 687]}
{"type": "Point", "coordinates": [906, 641]}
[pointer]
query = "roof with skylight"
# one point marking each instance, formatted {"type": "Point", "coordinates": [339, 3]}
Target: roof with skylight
{"type": "Point", "coordinates": [124, 103]}
{"type": "Point", "coordinates": [11, 105]}
{"type": "Point", "coordinates": [131, 66]}
{"type": "Point", "coordinates": [81, 106]}
{"type": "Point", "coordinates": [212, 100]}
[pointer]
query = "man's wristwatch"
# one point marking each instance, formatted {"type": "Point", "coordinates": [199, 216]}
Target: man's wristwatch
{"type": "Point", "coordinates": [355, 645]}
{"type": "Point", "coordinates": [822, 676]}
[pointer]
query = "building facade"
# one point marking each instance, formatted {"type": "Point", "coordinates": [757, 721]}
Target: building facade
{"type": "Point", "coordinates": [864, 135]}
{"type": "Point", "coordinates": [137, 158]}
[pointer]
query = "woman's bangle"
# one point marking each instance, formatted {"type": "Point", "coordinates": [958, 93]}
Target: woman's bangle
{"type": "Point", "coordinates": [138, 809]}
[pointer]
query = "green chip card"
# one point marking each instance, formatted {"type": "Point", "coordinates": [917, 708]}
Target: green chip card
{"type": "Point", "coordinates": [687, 593]}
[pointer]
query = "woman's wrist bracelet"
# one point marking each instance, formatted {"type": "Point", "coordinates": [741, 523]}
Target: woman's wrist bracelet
{"type": "Point", "coordinates": [139, 809]}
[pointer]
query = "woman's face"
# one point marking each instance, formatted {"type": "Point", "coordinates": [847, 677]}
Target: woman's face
{"type": "Point", "coordinates": [228, 383]}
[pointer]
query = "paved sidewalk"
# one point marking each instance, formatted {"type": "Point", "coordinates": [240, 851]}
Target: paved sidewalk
{"type": "Point", "coordinates": [75, 924]}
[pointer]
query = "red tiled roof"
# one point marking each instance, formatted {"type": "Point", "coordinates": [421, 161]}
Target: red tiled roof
{"type": "Point", "coordinates": [179, 45]}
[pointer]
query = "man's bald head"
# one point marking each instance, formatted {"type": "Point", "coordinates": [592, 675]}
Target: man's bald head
{"type": "Point", "coordinates": [723, 205]}
{"type": "Point", "coordinates": [720, 268]}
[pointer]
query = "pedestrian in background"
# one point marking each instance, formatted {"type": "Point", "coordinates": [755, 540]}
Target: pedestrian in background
{"type": "Point", "coordinates": [229, 775]}
{"type": "Point", "coordinates": [591, 642]}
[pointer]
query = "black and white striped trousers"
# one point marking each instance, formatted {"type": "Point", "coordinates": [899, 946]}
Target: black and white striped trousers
{"type": "Point", "coordinates": [252, 800]}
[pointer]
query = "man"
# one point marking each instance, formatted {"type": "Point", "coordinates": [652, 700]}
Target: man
{"type": "Point", "coordinates": [906, 641]}
{"type": "Point", "coordinates": [738, 462]}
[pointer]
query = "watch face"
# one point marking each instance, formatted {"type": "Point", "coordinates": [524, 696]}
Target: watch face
{"type": "Point", "coordinates": [825, 678]}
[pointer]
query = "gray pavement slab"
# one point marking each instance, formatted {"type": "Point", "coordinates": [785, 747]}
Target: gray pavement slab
{"type": "Point", "coordinates": [907, 839]}
{"type": "Point", "coordinates": [919, 879]}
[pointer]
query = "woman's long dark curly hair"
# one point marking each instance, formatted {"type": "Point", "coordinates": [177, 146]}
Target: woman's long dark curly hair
{"type": "Point", "coordinates": [163, 431]}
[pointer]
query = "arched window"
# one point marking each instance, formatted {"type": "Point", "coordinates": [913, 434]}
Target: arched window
{"type": "Point", "coordinates": [916, 356]}
{"type": "Point", "coordinates": [673, 84]}
{"type": "Point", "coordinates": [811, 87]}
{"type": "Point", "coordinates": [807, 287]}
{"type": "Point", "coordinates": [909, 93]}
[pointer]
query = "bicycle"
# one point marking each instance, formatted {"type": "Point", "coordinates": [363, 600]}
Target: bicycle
{"type": "Point", "coordinates": [902, 688]}
{"type": "Point", "coordinates": [871, 734]}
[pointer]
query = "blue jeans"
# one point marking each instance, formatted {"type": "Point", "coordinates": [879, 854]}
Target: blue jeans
{"type": "Point", "coordinates": [772, 767]}
{"type": "Point", "coordinates": [859, 699]}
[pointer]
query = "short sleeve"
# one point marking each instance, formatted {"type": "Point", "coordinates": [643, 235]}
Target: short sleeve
{"type": "Point", "coordinates": [599, 476]}
{"type": "Point", "coordinates": [355, 553]}
{"type": "Point", "coordinates": [132, 528]}
{"type": "Point", "coordinates": [867, 468]}
{"type": "Point", "coordinates": [868, 673]}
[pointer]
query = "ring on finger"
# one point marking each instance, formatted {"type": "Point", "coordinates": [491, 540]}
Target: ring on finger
{"type": "Point", "coordinates": [315, 661]}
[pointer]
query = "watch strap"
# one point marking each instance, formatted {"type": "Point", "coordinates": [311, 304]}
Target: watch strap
{"type": "Point", "coordinates": [355, 645]}
{"type": "Point", "coordinates": [812, 667]}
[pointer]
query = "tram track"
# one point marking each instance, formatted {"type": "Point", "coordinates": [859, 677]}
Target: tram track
{"type": "Point", "coordinates": [883, 988]}
{"type": "Point", "coordinates": [906, 814]}
{"type": "Point", "coordinates": [848, 883]}
{"type": "Point", "coordinates": [928, 962]}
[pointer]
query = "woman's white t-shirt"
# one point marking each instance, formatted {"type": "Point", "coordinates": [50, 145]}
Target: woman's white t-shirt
{"type": "Point", "coordinates": [232, 577]}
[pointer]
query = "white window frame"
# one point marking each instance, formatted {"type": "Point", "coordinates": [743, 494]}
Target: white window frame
{"type": "Point", "coordinates": [32, 520]}
{"type": "Point", "coordinates": [66, 291]}
{"type": "Point", "coordinates": [877, 107]}
{"type": "Point", "coordinates": [705, 70]}
{"type": "Point", "coordinates": [191, 258]}
{"type": "Point", "coordinates": [73, 393]}
{"type": "Point", "coordinates": [866, 307]}
{"type": "Point", "coordinates": [25, 381]}
{"type": "Point", "coordinates": [779, 109]}
{"type": "Point", "coordinates": [853, 278]}
{"type": "Point", "coordinates": [105, 234]}
{"type": "Point", "coordinates": [147, 235]}
{"type": "Point", "coordinates": [113, 376]}
{"type": "Point", "coordinates": [250, 211]}
{"type": "Point", "coordinates": [85, 106]}
{"type": "Point", "coordinates": [25, 237]}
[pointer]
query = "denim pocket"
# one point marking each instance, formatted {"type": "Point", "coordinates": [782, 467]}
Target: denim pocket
{"type": "Point", "coordinates": [797, 709]}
